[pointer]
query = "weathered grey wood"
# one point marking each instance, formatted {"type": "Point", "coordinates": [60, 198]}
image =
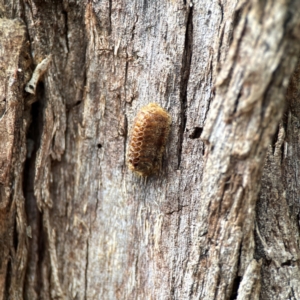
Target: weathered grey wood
{"type": "Point", "coordinates": [242, 120]}
{"type": "Point", "coordinates": [277, 228]}
{"type": "Point", "coordinates": [195, 231]}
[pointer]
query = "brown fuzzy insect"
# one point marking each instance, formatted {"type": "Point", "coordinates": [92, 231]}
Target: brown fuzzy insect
{"type": "Point", "coordinates": [148, 139]}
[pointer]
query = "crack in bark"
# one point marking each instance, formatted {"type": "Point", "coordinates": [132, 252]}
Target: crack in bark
{"type": "Point", "coordinates": [125, 140]}
{"type": "Point", "coordinates": [133, 27]}
{"type": "Point", "coordinates": [125, 79]}
{"type": "Point", "coordinates": [176, 210]}
{"type": "Point", "coordinates": [222, 11]}
{"type": "Point", "coordinates": [185, 74]}
{"type": "Point", "coordinates": [237, 279]}
{"type": "Point", "coordinates": [65, 14]}
{"type": "Point", "coordinates": [110, 20]}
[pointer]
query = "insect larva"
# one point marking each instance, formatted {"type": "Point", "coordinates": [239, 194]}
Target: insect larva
{"type": "Point", "coordinates": [148, 139]}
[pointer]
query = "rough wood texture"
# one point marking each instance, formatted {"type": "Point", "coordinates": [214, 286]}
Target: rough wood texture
{"type": "Point", "coordinates": [196, 231]}
{"type": "Point", "coordinates": [278, 206]}
{"type": "Point", "coordinates": [14, 119]}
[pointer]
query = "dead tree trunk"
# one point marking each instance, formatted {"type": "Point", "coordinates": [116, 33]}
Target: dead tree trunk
{"type": "Point", "coordinates": [220, 220]}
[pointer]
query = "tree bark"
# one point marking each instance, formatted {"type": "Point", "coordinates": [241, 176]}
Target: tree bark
{"type": "Point", "coordinates": [220, 220]}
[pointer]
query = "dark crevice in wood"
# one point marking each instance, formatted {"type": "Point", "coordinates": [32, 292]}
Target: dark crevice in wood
{"type": "Point", "coordinates": [237, 280]}
{"type": "Point", "coordinates": [196, 133]}
{"type": "Point", "coordinates": [236, 19]}
{"type": "Point", "coordinates": [285, 116]}
{"type": "Point", "coordinates": [227, 185]}
{"type": "Point", "coordinates": [268, 262]}
{"type": "Point", "coordinates": [212, 92]}
{"type": "Point", "coordinates": [133, 28]}
{"type": "Point", "coordinates": [110, 20]}
{"type": "Point", "coordinates": [3, 105]}
{"type": "Point", "coordinates": [69, 107]}
{"type": "Point", "coordinates": [33, 142]}
{"type": "Point", "coordinates": [275, 139]}
{"type": "Point", "coordinates": [282, 153]}
{"type": "Point", "coordinates": [235, 288]}
{"type": "Point", "coordinates": [65, 14]}
{"type": "Point", "coordinates": [36, 246]}
{"type": "Point", "coordinates": [180, 207]}
{"type": "Point", "coordinates": [288, 263]}
{"type": "Point", "coordinates": [219, 51]}
{"type": "Point", "coordinates": [185, 74]}
{"type": "Point", "coordinates": [222, 13]}
{"type": "Point", "coordinates": [125, 139]}
{"type": "Point", "coordinates": [236, 103]}
{"type": "Point", "coordinates": [7, 278]}
{"type": "Point", "coordinates": [15, 236]}
{"type": "Point", "coordinates": [125, 79]}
